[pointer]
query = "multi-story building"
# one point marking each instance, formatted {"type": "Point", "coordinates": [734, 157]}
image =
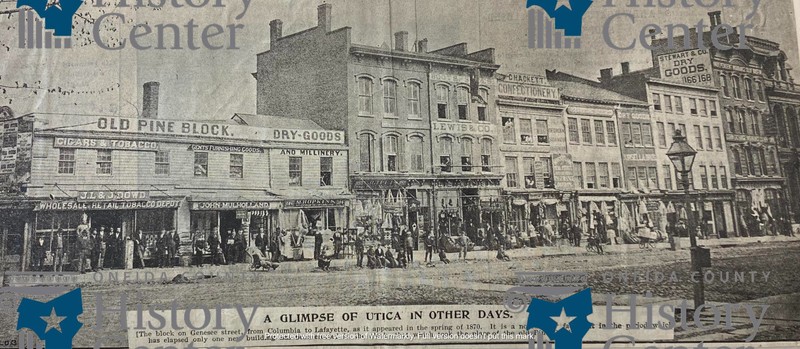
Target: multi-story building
{"type": "Point", "coordinates": [592, 117]}
{"type": "Point", "coordinates": [740, 74]}
{"type": "Point", "coordinates": [784, 100]}
{"type": "Point", "coordinates": [420, 124]}
{"type": "Point", "coordinates": [151, 174]}
{"type": "Point", "coordinates": [539, 183]}
{"type": "Point", "coordinates": [694, 110]}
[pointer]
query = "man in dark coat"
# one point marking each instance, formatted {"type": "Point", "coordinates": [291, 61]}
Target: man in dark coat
{"type": "Point", "coordinates": [260, 242]}
{"type": "Point", "coordinates": [176, 243]}
{"type": "Point", "coordinates": [168, 245]}
{"type": "Point", "coordinates": [138, 249]}
{"type": "Point", "coordinates": [223, 244]}
{"type": "Point", "coordinates": [213, 244]}
{"type": "Point", "coordinates": [119, 238]}
{"type": "Point", "coordinates": [97, 247]}
{"type": "Point", "coordinates": [108, 250]}
{"type": "Point", "coordinates": [84, 249]}
{"type": "Point", "coordinates": [317, 242]}
{"type": "Point", "coordinates": [359, 244]}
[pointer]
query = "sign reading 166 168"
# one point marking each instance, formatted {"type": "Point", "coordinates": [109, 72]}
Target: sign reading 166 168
{"type": "Point", "coordinates": [691, 67]}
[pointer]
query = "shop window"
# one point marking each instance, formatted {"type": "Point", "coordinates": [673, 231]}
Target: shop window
{"type": "Point", "coordinates": [295, 171]}
{"type": "Point", "coordinates": [201, 164]}
{"type": "Point", "coordinates": [542, 132]}
{"type": "Point", "coordinates": [462, 94]}
{"type": "Point", "coordinates": [591, 175]}
{"type": "Point", "coordinates": [104, 162]}
{"type": "Point", "coordinates": [237, 166]}
{"type": "Point", "coordinates": [365, 96]}
{"type": "Point", "coordinates": [678, 104]}
{"type": "Point", "coordinates": [486, 155]}
{"type": "Point", "coordinates": [667, 170]}
{"type": "Point", "coordinates": [446, 147]}
{"type": "Point", "coordinates": [529, 168]}
{"type": "Point", "coordinates": [413, 89]}
{"type": "Point", "coordinates": [599, 132]}
{"type": "Point", "coordinates": [162, 162]}
{"type": "Point", "coordinates": [526, 131]}
{"type": "Point", "coordinates": [325, 171]}
{"type": "Point", "coordinates": [366, 148]}
{"type": "Point", "coordinates": [511, 172]}
{"type": "Point", "coordinates": [573, 130]}
{"type": "Point", "coordinates": [611, 133]}
{"type": "Point", "coordinates": [66, 161]}
{"type": "Point", "coordinates": [390, 97]}
{"type": "Point", "coordinates": [577, 173]}
{"type": "Point", "coordinates": [508, 130]}
{"type": "Point", "coordinates": [442, 96]}
{"type": "Point", "coordinates": [466, 155]}
{"type": "Point", "coordinates": [616, 175]}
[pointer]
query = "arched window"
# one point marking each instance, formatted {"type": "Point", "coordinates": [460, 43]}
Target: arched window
{"type": "Point", "coordinates": [466, 154]}
{"type": "Point", "coordinates": [737, 161]}
{"type": "Point", "coordinates": [366, 146]}
{"type": "Point", "coordinates": [412, 93]}
{"type": "Point", "coordinates": [390, 97]}
{"type": "Point", "coordinates": [416, 153]}
{"type": "Point", "coordinates": [723, 82]}
{"type": "Point", "coordinates": [737, 92]}
{"type": "Point", "coordinates": [748, 89]}
{"type": "Point", "coordinates": [365, 95]}
{"type": "Point", "coordinates": [730, 123]}
{"type": "Point", "coordinates": [742, 122]}
{"type": "Point", "coordinates": [391, 153]}
{"type": "Point", "coordinates": [486, 155]}
{"type": "Point", "coordinates": [442, 100]}
{"type": "Point", "coordinates": [794, 126]}
{"type": "Point", "coordinates": [754, 165]}
{"type": "Point", "coordinates": [780, 119]}
{"type": "Point", "coordinates": [445, 154]}
{"type": "Point", "coordinates": [484, 94]}
{"type": "Point", "coordinates": [769, 163]}
{"type": "Point", "coordinates": [755, 123]}
{"type": "Point", "coordinates": [462, 94]}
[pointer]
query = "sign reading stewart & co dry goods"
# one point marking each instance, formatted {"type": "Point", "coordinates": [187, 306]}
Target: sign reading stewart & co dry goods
{"type": "Point", "coordinates": [691, 67]}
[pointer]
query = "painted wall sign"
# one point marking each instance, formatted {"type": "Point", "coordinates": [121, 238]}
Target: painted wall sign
{"type": "Point", "coordinates": [312, 152]}
{"type": "Point", "coordinates": [234, 205]}
{"type": "Point", "coordinates": [303, 203]}
{"type": "Point", "coordinates": [114, 144]}
{"type": "Point", "coordinates": [528, 91]}
{"type": "Point", "coordinates": [530, 79]}
{"type": "Point", "coordinates": [692, 67]}
{"type": "Point", "coordinates": [105, 205]}
{"type": "Point", "coordinates": [225, 148]}
{"type": "Point", "coordinates": [463, 128]}
{"type": "Point", "coordinates": [116, 195]}
{"type": "Point", "coordinates": [306, 136]}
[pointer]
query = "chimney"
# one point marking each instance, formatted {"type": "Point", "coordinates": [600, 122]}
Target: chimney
{"type": "Point", "coordinates": [150, 100]}
{"type": "Point", "coordinates": [324, 17]}
{"type": "Point", "coordinates": [401, 41]}
{"type": "Point", "coordinates": [606, 74]}
{"type": "Point", "coordinates": [275, 31]}
{"type": "Point", "coordinates": [716, 18]}
{"type": "Point", "coordinates": [626, 67]}
{"type": "Point", "coordinates": [652, 33]}
{"type": "Point", "coordinates": [422, 46]}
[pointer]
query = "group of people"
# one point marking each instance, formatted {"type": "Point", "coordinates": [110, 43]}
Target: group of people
{"type": "Point", "coordinates": [104, 248]}
{"type": "Point", "coordinates": [230, 247]}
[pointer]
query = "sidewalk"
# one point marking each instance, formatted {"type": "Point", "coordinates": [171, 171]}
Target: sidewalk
{"type": "Point", "coordinates": [242, 270]}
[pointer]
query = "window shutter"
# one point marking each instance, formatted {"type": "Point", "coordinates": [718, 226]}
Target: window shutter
{"type": "Point", "coordinates": [401, 154]}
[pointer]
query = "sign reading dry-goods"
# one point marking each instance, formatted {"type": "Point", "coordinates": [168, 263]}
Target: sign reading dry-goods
{"type": "Point", "coordinates": [225, 148]}
{"type": "Point", "coordinates": [462, 128]}
{"type": "Point", "coordinates": [306, 136]}
{"type": "Point", "coordinates": [691, 67]}
{"type": "Point", "coordinates": [105, 205]}
{"type": "Point", "coordinates": [235, 205]}
{"type": "Point", "coordinates": [116, 195]}
{"type": "Point", "coordinates": [114, 144]}
{"type": "Point", "coordinates": [302, 203]}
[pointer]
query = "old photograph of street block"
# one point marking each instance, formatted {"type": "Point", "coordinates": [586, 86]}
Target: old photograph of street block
{"type": "Point", "coordinates": [386, 173]}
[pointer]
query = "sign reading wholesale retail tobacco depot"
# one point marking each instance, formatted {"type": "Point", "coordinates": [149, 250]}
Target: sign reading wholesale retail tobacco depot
{"type": "Point", "coordinates": [161, 127]}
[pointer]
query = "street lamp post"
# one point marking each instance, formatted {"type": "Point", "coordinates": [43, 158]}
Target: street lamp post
{"type": "Point", "coordinates": [682, 156]}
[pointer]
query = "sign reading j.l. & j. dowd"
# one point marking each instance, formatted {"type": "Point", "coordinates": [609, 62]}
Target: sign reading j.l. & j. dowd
{"type": "Point", "coordinates": [163, 127]}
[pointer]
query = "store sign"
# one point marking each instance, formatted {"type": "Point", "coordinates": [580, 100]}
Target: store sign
{"type": "Point", "coordinates": [309, 203]}
{"type": "Point", "coordinates": [225, 148]}
{"type": "Point", "coordinates": [306, 136]}
{"type": "Point", "coordinates": [748, 70]}
{"type": "Point", "coordinates": [234, 205]}
{"type": "Point", "coordinates": [115, 195]}
{"type": "Point", "coordinates": [529, 79]}
{"type": "Point", "coordinates": [563, 171]}
{"type": "Point", "coordinates": [112, 144]}
{"type": "Point", "coordinates": [691, 67]}
{"type": "Point", "coordinates": [312, 152]}
{"type": "Point", "coordinates": [463, 128]}
{"type": "Point", "coordinates": [639, 157]}
{"type": "Point", "coordinates": [450, 78]}
{"type": "Point", "coordinates": [528, 91]}
{"type": "Point", "coordinates": [105, 205]}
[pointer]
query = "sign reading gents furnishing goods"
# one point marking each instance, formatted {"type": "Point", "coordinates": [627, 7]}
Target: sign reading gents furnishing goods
{"type": "Point", "coordinates": [220, 130]}
{"type": "Point", "coordinates": [691, 67]}
{"type": "Point", "coordinates": [113, 144]}
{"type": "Point", "coordinates": [225, 148]}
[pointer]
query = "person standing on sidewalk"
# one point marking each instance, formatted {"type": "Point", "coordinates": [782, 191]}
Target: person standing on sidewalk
{"type": "Point", "coordinates": [58, 256]}
{"type": "Point", "coordinates": [463, 241]}
{"type": "Point", "coordinates": [430, 241]}
{"type": "Point", "coordinates": [409, 248]}
{"type": "Point", "coordinates": [317, 242]}
{"type": "Point", "coordinates": [213, 244]}
{"type": "Point", "coordinates": [359, 250]}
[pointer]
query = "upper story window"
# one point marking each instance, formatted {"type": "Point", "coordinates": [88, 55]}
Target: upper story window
{"type": "Point", "coordinates": [737, 91]}
{"type": "Point", "coordinates": [723, 83]}
{"type": "Point", "coordinates": [237, 166]}
{"type": "Point", "coordinates": [730, 123]}
{"type": "Point", "coordinates": [599, 132]}
{"type": "Point", "coordinates": [66, 161]}
{"type": "Point", "coordinates": [325, 171]}
{"type": "Point", "coordinates": [712, 104]}
{"type": "Point", "coordinates": [656, 101]}
{"type": "Point", "coordinates": [201, 164]}
{"type": "Point", "coordinates": [162, 162]}
{"type": "Point", "coordinates": [466, 155]}
{"type": "Point", "coordinates": [572, 124]}
{"type": "Point", "coordinates": [693, 106]}
{"type": "Point", "coordinates": [748, 89]}
{"type": "Point", "coordinates": [365, 95]}
{"type": "Point", "coordinates": [542, 132]}
{"type": "Point", "coordinates": [668, 103]}
{"type": "Point", "coordinates": [484, 94]}
{"type": "Point", "coordinates": [416, 152]}
{"type": "Point", "coordinates": [445, 154]}
{"type": "Point", "coordinates": [486, 155]}
{"type": "Point", "coordinates": [611, 133]}
{"type": "Point", "coordinates": [508, 130]}
{"type": "Point", "coordinates": [760, 91]}
{"type": "Point", "coordinates": [366, 147]}
{"type": "Point", "coordinates": [679, 104]}
{"type": "Point", "coordinates": [104, 162]}
{"type": "Point", "coordinates": [511, 172]}
{"type": "Point", "coordinates": [526, 131]}
{"type": "Point", "coordinates": [391, 153]}
{"type": "Point", "coordinates": [442, 96]}
{"type": "Point", "coordinates": [412, 90]}
{"type": "Point", "coordinates": [295, 171]}
{"type": "Point", "coordinates": [586, 131]}
{"type": "Point", "coordinates": [703, 107]}
{"type": "Point", "coordinates": [390, 97]}
{"type": "Point", "coordinates": [742, 122]}
{"type": "Point", "coordinates": [462, 94]}
{"type": "Point", "coordinates": [755, 123]}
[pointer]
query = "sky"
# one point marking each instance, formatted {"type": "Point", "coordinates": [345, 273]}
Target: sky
{"type": "Point", "coordinates": [214, 84]}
